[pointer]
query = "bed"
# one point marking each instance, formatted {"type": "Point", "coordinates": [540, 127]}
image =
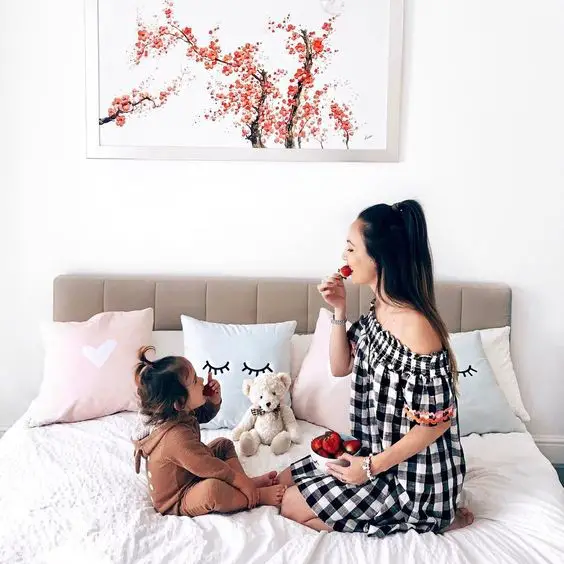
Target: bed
{"type": "Point", "coordinates": [69, 491]}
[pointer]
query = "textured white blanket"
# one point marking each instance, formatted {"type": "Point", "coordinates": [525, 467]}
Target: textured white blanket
{"type": "Point", "coordinates": [68, 493]}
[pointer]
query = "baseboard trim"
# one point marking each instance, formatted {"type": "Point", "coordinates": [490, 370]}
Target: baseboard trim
{"type": "Point", "coordinates": [552, 446]}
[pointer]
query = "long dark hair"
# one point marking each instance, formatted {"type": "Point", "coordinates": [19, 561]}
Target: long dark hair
{"type": "Point", "coordinates": [159, 386]}
{"type": "Point", "coordinates": [396, 239]}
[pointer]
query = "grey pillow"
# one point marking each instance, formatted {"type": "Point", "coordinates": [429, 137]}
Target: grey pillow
{"type": "Point", "coordinates": [482, 407]}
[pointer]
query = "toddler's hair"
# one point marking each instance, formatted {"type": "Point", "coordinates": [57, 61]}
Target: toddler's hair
{"type": "Point", "coordinates": [159, 386]}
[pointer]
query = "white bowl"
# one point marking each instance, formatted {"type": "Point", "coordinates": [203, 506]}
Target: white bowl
{"type": "Point", "coordinates": [321, 461]}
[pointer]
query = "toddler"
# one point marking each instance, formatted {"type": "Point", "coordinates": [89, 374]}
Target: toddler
{"type": "Point", "coordinates": [186, 476]}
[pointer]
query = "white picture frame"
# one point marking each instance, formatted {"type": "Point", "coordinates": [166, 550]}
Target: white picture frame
{"type": "Point", "coordinates": [106, 144]}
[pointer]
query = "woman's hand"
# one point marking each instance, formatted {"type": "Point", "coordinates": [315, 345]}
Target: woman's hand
{"type": "Point", "coordinates": [352, 474]}
{"type": "Point", "coordinates": [333, 291]}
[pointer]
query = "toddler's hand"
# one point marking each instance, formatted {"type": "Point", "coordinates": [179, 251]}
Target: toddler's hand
{"type": "Point", "coordinates": [214, 388]}
{"type": "Point", "coordinates": [250, 491]}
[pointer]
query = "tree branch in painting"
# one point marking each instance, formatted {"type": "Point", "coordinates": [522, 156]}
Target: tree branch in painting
{"type": "Point", "coordinates": [241, 88]}
{"type": "Point", "coordinates": [139, 101]}
{"type": "Point", "coordinates": [343, 121]}
{"type": "Point", "coordinates": [312, 50]}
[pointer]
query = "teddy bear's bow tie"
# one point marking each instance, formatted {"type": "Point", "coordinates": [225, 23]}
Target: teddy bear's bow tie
{"type": "Point", "coordinates": [260, 411]}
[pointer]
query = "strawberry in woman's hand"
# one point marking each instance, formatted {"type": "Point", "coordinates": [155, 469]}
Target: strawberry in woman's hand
{"type": "Point", "coordinates": [345, 271]}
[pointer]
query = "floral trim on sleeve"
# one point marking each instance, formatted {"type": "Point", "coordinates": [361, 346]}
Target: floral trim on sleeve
{"type": "Point", "coordinates": [428, 418]}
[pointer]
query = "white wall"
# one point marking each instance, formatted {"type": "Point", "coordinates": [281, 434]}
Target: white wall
{"type": "Point", "coordinates": [483, 124]}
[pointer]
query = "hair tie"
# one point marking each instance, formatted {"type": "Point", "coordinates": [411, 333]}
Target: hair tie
{"type": "Point", "coordinates": [146, 365]}
{"type": "Point", "coordinates": [397, 207]}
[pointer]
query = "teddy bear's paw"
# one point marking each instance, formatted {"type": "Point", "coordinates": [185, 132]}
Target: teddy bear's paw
{"type": "Point", "coordinates": [247, 444]}
{"type": "Point", "coordinates": [281, 443]}
{"type": "Point", "coordinates": [296, 436]}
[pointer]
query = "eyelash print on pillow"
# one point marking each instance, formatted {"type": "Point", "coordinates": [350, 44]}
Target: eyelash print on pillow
{"type": "Point", "coordinates": [216, 369]}
{"type": "Point", "coordinates": [468, 371]}
{"type": "Point", "coordinates": [255, 371]}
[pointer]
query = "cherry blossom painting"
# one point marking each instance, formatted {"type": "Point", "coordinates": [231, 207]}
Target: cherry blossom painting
{"type": "Point", "coordinates": [303, 80]}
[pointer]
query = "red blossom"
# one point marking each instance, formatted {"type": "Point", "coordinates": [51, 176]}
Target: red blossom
{"type": "Point", "coordinates": [241, 88]}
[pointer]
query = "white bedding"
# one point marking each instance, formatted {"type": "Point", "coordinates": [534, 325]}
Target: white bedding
{"type": "Point", "coordinates": [68, 493]}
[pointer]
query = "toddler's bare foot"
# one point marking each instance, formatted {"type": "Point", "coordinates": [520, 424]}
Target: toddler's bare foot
{"type": "Point", "coordinates": [463, 518]}
{"type": "Point", "coordinates": [268, 479]}
{"type": "Point", "coordinates": [271, 495]}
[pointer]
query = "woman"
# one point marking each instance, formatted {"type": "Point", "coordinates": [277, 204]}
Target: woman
{"type": "Point", "coordinates": [403, 402]}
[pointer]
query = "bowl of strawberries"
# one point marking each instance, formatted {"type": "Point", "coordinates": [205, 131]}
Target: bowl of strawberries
{"type": "Point", "coordinates": [330, 446]}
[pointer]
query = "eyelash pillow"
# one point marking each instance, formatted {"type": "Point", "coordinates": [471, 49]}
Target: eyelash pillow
{"type": "Point", "coordinates": [482, 405]}
{"type": "Point", "coordinates": [234, 353]}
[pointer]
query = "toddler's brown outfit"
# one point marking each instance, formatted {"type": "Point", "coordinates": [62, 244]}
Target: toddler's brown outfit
{"type": "Point", "coordinates": [186, 476]}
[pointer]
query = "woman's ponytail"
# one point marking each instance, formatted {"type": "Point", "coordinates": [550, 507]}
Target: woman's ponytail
{"type": "Point", "coordinates": [415, 225]}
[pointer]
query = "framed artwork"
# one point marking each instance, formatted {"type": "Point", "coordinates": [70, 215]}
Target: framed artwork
{"type": "Point", "coordinates": [291, 80]}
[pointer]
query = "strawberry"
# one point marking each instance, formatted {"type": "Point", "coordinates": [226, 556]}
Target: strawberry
{"type": "Point", "coordinates": [339, 453]}
{"type": "Point", "coordinates": [322, 453]}
{"type": "Point", "coordinates": [352, 446]}
{"type": "Point", "coordinates": [345, 271]}
{"type": "Point", "coordinates": [332, 442]}
{"type": "Point", "coordinates": [317, 444]}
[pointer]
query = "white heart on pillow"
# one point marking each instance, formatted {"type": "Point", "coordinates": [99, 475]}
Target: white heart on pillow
{"type": "Point", "coordinates": [99, 355]}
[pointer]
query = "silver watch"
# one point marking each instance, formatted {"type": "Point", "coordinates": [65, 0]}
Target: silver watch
{"type": "Point", "coordinates": [338, 321]}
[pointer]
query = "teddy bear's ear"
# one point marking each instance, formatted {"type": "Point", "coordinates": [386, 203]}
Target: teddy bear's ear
{"type": "Point", "coordinates": [247, 386]}
{"type": "Point", "coordinates": [285, 379]}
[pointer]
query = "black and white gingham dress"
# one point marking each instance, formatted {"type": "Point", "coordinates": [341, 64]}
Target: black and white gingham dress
{"type": "Point", "coordinates": [393, 389]}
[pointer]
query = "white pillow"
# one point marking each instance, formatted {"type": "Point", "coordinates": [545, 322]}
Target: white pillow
{"type": "Point", "coordinates": [497, 348]}
{"type": "Point", "coordinates": [170, 343]}
{"type": "Point", "coordinates": [234, 353]}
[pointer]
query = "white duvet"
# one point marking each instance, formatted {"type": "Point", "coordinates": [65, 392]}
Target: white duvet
{"type": "Point", "coordinates": [69, 493]}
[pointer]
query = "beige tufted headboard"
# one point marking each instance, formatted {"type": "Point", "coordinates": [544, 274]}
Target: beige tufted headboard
{"type": "Point", "coordinates": [464, 306]}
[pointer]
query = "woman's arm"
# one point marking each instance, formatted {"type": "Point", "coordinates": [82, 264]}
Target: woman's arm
{"type": "Point", "coordinates": [340, 356]}
{"type": "Point", "coordinates": [416, 440]}
{"type": "Point", "coordinates": [333, 292]}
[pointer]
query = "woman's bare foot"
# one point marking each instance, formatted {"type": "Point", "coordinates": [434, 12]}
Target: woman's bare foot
{"type": "Point", "coordinates": [463, 518]}
{"type": "Point", "coordinates": [268, 479]}
{"type": "Point", "coordinates": [271, 495]}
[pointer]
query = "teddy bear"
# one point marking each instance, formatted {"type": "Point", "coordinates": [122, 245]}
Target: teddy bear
{"type": "Point", "coordinates": [267, 421]}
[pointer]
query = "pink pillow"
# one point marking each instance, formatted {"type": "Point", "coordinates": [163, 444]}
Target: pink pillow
{"type": "Point", "coordinates": [88, 367]}
{"type": "Point", "coordinates": [318, 396]}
